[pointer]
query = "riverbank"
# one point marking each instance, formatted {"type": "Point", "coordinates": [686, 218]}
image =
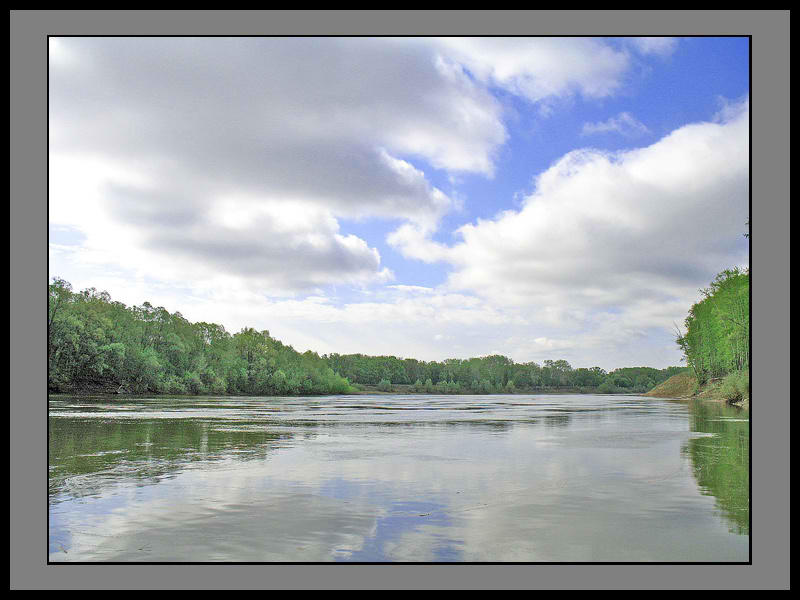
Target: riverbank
{"type": "Point", "coordinates": [733, 389]}
{"type": "Point", "coordinates": [366, 390]}
{"type": "Point", "coordinates": [401, 389]}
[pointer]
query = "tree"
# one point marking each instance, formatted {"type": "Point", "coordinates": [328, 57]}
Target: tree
{"type": "Point", "coordinates": [717, 338]}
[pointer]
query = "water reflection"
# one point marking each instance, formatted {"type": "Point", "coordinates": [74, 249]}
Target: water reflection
{"type": "Point", "coordinates": [557, 420]}
{"type": "Point", "coordinates": [119, 450]}
{"type": "Point", "coordinates": [721, 460]}
{"type": "Point", "coordinates": [394, 478]}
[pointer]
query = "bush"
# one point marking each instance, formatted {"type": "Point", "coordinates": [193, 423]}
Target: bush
{"type": "Point", "coordinates": [607, 387]}
{"type": "Point", "coordinates": [385, 385]}
{"type": "Point", "coordinates": [218, 386]}
{"type": "Point", "coordinates": [173, 385]}
{"type": "Point", "coordinates": [193, 383]}
{"type": "Point", "coordinates": [736, 386]}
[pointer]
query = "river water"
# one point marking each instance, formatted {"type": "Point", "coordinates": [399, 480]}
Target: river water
{"type": "Point", "coordinates": [398, 478]}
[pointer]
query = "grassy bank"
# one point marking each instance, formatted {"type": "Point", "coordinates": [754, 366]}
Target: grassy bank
{"type": "Point", "coordinates": [734, 388]}
{"type": "Point", "coordinates": [677, 386]}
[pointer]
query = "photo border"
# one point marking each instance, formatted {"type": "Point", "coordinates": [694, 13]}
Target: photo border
{"type": "Point", "coordinates": [769, 177]}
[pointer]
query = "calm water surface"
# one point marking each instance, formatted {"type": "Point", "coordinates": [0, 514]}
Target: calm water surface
{"type": "Point", "coordinates": [398, 478]}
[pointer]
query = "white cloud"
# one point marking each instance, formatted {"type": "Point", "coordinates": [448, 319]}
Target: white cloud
{"type": "Point", "coordinates": [214, 177]}
{"type": "Point", "coordinates": [281, 246]}
{"type": "Point", "coordinates": [610, 245]}
{"type": "Point", "coordinates": [541, 68]}
{"type": "Point", "coordinates": [196, 152]}
{"type": "Point", "coordinates": [624, 124]}
{"type": "Point", "coordinates": [199, 159]}
{"type": "Point", "coordinates": [659, 46]}
{"type": "Point", "coordinates": [411, 289]}
{"type": "Point", "coordinates": [731, 109]}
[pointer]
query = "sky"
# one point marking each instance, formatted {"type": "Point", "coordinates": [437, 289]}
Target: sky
{"type": "Point", "coordinates": [432, 198]}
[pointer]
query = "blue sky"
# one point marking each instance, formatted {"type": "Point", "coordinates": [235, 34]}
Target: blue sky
{"type": "Point", "coordinates": [536, 197]}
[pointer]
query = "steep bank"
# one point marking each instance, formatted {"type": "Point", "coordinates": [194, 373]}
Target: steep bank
{"type": "Point", "coordinates": [733, 389]}
{"type": "Point", "coordinates": [677, 386]}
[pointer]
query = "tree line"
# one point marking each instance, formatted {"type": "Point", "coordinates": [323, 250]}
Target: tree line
{"type": "Point", "coordinates": [99, 345]}
{"type": "Point", "coordinates": [716, 342]}
{"type": "Point", "coordinates": [492, 374]}
{"type": "Point", "coordinates": [95, 344]}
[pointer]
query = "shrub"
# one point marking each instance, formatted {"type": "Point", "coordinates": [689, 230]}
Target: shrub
{"type": "Point", "coordinates": [607, 387]}
{"type": "Point", "coordinates": [173, 385]}
{"type": "Point", "coordinates": [218, 386]}
{"type": "Point", "coordinates": [193, 383]}
{"type": "Point", "coordinates": [735, 386]}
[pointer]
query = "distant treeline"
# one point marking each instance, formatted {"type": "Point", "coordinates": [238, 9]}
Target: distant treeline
{"type": "Point", "coordinates": [716, 343]}
{"type": "Point", "coordinates": [98, 345]}
{"type": "Point", "coordinates": [492, 374]}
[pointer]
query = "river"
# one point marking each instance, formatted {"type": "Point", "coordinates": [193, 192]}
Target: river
{"type": "Point", "coordinates": [519, 478]}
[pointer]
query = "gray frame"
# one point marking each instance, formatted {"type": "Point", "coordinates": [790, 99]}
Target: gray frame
{"type": "Point", "coordinates": [770, 201]}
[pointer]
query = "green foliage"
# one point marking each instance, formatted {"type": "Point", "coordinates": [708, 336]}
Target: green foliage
{"type": "Point", "coordinates": [495, 374]}
{"type": "Point", "coordinates": [736, 386]}
{"type": "Point", "coordinates": [721, 462]}
{"type": "Point", "coordinates": [717, 338]}
{"type": "Point", "coordinates": [608, 386]}
{"type": "Point", "coordinates": [492, 374]}
{"type": "Point", "coordinates": [174, 385]}
{"type": "Point", "coordinates": [95, 344]}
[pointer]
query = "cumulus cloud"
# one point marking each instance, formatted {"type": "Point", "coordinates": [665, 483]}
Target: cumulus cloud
{"type": "Point", "coordinates": [624, 124]}
{"type": "Point", "coordinates": [659, 46]}
{"type": "Point", "coordinates": [227, 169]}
{"type": "Point", "coordinates": [731, 109]}
{"type": "Point", "coordinates": [192, 148]}
{"type": "Point", "coordinates": [614, 242]}
{"type": "Point", "coordinates": [197, 151]}
{"type": "Point", "coordinates": [542, 68]}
